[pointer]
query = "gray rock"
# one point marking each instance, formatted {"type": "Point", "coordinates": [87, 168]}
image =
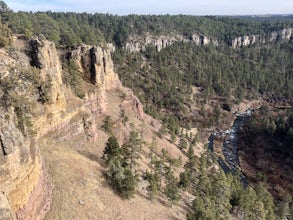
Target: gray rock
{"type": "Point", "coordinates": [248, 40]}
{"type": "Point", "coordinates": [136, 43]}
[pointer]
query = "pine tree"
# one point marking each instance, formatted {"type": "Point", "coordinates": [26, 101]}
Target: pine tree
{"type": "Point", "coordinates": [221, 193]}
{"type": "Point", "coordinates": [132, 148]}
{"type": "Point", "coordinates": [204, 186]}
{"type": "Point", "coordinates": [153, 147]}
{"type": "Point", "coordinates": [173, 137]}
{"type": "Point", "coordinates": [188, 176]}
{"type": "Point", "coordinates": [154, 184]}
{"type": "Point", "coordinates": [266, 198]}
{"type": "Point", "coordinates": [112, 150]}
{"type": "Point", "coordinates": [158, 169]}
{"type": "Point", "coordinates": [121, 178]}
{"type": "Point", "coordinates": [183, 143]}
{"type": "Point", "coordinates": [108, 124]}
{"type": "Point", "coordinates": [171, 190]}
{"type": "Point", "coordinates": [203, 208]}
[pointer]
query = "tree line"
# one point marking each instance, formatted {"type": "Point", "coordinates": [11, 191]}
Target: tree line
{"type": "Point", "coordinates": [69, 29]}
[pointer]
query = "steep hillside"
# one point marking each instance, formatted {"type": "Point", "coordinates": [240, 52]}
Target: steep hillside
{"type": "Point", "coordinates": [52, 141]}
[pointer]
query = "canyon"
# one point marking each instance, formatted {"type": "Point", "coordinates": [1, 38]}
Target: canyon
{"type": "Point", "coordinates": [52, 140]}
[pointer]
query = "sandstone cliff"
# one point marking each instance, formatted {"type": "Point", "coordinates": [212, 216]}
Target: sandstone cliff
{"type": "Point", "coordinates": [96, 64]}
{"type": "Point", "coordinates": [136, 43]}
{"type": "Point", "coordinates": [44, 56]}
{"type": "Point", "coordinates": [248, 40]}
{"type": "Point", "coordinates": [25, 80]}
{"type": "Point", "coordinates": [22, 176]}
{"type": "Point", "coordinates": [35, 101]}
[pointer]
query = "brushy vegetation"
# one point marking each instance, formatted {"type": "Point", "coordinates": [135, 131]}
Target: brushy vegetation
{"type": "Point", "coordinates": [268, 136]}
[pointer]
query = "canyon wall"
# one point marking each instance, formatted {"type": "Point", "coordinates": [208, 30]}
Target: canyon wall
{"type": "Point", "coordinates": [25, 190]}
{"type": "Point", "coordinates": [136, 43]}
{"type": "Point", "coordinates": [96, 64]}
{"type": "Point", "coordinates": [248, 40]}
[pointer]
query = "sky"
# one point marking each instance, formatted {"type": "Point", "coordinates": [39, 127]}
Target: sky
{"type": "Point", "coordinates": [190, 7]}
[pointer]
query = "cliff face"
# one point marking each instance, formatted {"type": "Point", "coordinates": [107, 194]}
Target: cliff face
{"type": "Point", "coordinates": [21, 172]}
{"type": "Point", "coordinates": [96, 64]}
{"type": "Point", "coordinates": [24, 185]}
{"type": "Point", "coordinates": [44, 56]}
{"type": "Point", "coordinates": [35, 99]}
{"type": "Point", "coordinates": [137, 43]}
{"type": "Point", "coordinates": [248, 40]}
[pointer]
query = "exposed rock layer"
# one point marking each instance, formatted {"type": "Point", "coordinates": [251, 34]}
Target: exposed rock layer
{"type": "Point", "coordinates": [44, 56]}
{"type": "Point", "coordinates": [25, 188]}
{"type": "Point", "coordinates": [20, 169]}
{"type": "Point", "coordinates": [137, 43]}
{"type": "Point", "coordinates": [96, 64]}
{"type": "Point", "coordinates": [248, 40]}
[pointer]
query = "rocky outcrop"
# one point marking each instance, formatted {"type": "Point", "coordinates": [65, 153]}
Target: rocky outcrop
{"type": "Point", "coordinates": [283, 34]}
{"type": "Point", "coordinates": [39, 201]}
{"type": "Point", "coordinates": [44, 56]}
{"type": "Point", "coordinates": [25, 191]}
{"type": "Point", "coordinates": [5, 209]}
{"type": "Point", "coordinates": [20, 172]}
{"type": "Point", "coordinates": [96, 64]}
{"type": "Point", "coordinates": [133, 103]}
{"type": "Point", "coordinates": [248, 40]}
{"type": "Point", "coordinates": [136, 43]}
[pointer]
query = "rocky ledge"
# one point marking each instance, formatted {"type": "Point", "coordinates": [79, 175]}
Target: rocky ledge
{"type": "Point", "coordinates": [136, 43]}
{"type": "Point", "coordinates": [25, 189]}
{"type": "Point", "coordinates": [248, 40]}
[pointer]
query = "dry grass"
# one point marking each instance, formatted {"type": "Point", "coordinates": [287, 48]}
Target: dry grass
{"type": "Point", "coordinates": [80, 190]}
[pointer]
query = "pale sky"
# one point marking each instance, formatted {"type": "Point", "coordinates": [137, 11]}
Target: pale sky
{"type": "Point", "coordinates": [125, 7]}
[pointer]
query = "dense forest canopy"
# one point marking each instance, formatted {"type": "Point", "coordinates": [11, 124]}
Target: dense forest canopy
{"type": "Point", "coordinates": [74, 28]}
{"type": "Point", "coordinates": [219, 72]}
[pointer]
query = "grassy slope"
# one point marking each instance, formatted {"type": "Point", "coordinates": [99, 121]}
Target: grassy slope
{"type": "Point", "coordinates": [76, 171]}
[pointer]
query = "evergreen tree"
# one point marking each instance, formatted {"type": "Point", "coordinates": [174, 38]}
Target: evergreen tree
{"type": "Point", "coordinates": [171, 190]}
{"type": "Point", "coordinates": [108, 124]}
{"type": "Point", "coordinates": [266, 198]}
{"type": "Point", "coordinates": [121, 178]}
{"type": "Point", "coordinates": [189, 174]}
{"type": "Point", "coordinates": [132, 148]}
{"type": "Point", "coordinates": [202, 208]}
{"type": "Point", "coordinates": [153, 147]}
{"type": "Point", "coordinates": [112, 150]}
{"type": "Point", "coordinates": [183, 143]}
{"type": "Point", "coordinates": [154, 184]}
{"type": "Point", "coordinates": [204, 186]}
{"type": "Point", "coordinates": [221, 193]}
{"type": "Point", "coordinates": [158, 169]}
